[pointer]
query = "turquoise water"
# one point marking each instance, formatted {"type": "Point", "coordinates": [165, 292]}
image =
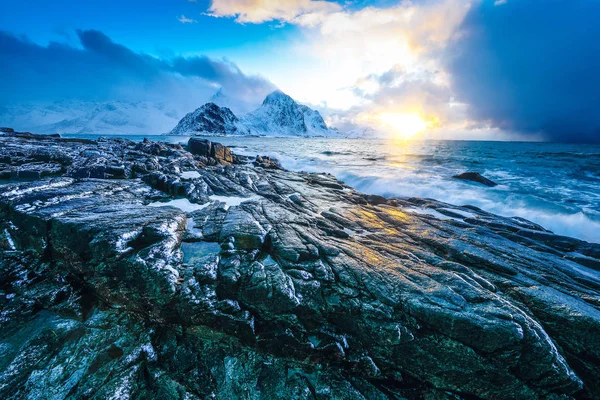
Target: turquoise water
{"type": "Point", "coordinates": [555, 185]}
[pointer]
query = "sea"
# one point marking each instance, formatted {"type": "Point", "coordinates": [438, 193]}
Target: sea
{"type": "Point", "coordinates": [552, 184]}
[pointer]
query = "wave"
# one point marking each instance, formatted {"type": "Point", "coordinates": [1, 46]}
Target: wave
{"type": "Point", "coordinates": [559, 195]}
{"type": "Point", "coordinates": [337, 153]}
{"type": "Point", "coordinates": [500, 201]}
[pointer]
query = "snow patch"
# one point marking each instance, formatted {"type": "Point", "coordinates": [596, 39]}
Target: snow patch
{"type": "Point", "coordinates": [190, 175]}
{"type": "Point", "coordinates": [182, 204]}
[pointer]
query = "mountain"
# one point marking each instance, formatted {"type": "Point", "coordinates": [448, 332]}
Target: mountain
{"type": "Point", "coordinates": [313, 119]}
{"type": "Point", "coordinates": [280, 115]}
{"type": "Point", "coordinates": [88, 117]}
{"type": "Point", "coordinates": [210, 119]}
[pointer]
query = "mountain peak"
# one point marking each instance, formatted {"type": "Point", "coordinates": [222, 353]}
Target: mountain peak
{"type": "Point", "coordinates": [212, 106]}
{"type": "Point", "coordinates": [282, 115]}
{"type": "Point", "coordinates": [209, 118]}
{"type": "Point", "coordinates": [279, 115]}
{"type": "Point", "coordinates": [278, 97]}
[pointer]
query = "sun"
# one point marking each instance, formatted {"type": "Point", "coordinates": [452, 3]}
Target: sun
{"type": "Point", "coordinates": [406, 125]}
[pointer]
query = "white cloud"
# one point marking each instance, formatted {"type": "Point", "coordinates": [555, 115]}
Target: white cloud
{"type": "Point", "coordinates": [184, 20]}
{"type": "Point", "coordinates": [500, 2]}
{"type": "Point", "coordinates": [363, 62]}
{"type": "Point", "coordinates": [257, 11]}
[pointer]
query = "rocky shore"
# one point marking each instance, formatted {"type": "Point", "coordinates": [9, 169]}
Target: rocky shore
{"type": "Point", "coordinates": [149, 270]}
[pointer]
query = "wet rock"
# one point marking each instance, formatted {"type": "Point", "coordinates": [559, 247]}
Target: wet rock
{"type": "Point", "coordinates": [475, 177]}
{"type": "Point", "coordinates": [206, 148]}
{"type": "Point", "coordinates": [297, 286]}
{"type": "Point", "coordinates": [200, 147]}
{"type": "Point", "coordinates": [376, 199]}
{"type": "Point", "coordinates": [267, 162]}
{"type": "Point", "coordinates": [221, 152]}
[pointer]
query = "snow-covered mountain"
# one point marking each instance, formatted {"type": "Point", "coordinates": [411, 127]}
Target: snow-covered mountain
{"type": "Point", "coordinates": [87, 117]}
{"type": "Point", "coordinates": [313, 119]}
{"type": "Point", "coordinates": [279, 115]}
{"type": "Point", "coordinates": [210, 119]}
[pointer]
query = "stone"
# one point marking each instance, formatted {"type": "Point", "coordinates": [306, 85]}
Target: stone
{"type": "Point", "coordinates": [475, 177]}
{"type": "Point", "coordinates": [221, 152]}
{"type": "Point", "coordinates": [267, 162]}
{"type": "Point", "coordinates": [200, 147]}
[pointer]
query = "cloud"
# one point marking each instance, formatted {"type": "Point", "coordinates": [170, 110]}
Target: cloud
{"type": "Point", "coordinates": [381, 60]}
{"type": "Point", "coordinates": [104, 70]}
{"type": "Point", "coordinates": [531, 66]}
{"type": "Point", "coordinates": [184, 20]}
{"type": "Point", "coordinates": [527, 67]}
{"type": "Point", "coordinates": [258, 11]}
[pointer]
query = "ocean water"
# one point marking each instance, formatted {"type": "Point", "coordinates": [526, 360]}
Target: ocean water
{"type": "Point", "coordinates": [554, 185]}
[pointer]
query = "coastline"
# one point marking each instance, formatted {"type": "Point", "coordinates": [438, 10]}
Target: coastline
{"type": "Point", "coordinates": [347, 292]}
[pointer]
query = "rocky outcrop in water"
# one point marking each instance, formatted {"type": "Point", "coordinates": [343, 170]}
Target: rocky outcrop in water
{"type": "Point", "coordinates": [264, 283]}
{"type": "Point", "coordinates": [475, 177]}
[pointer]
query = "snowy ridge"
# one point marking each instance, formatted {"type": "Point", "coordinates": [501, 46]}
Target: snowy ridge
{"type": "Point", "coordinates": [86, 117]}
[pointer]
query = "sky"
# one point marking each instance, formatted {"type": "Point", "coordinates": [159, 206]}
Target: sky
{"type": "Point", "coordinates": [449, 69]}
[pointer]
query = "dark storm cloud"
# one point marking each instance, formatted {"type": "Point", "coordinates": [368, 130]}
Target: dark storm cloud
{"type": "Point", "coordinates": [532, 66]}
{"type": "Point", "coordinates": [101, 68]}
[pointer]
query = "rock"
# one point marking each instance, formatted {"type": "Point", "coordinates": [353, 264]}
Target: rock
{"type": "Point", "coordinates": [200, 147]}
{"type": "Point", "coordinates": [267, 162]}
{"type": "Point", "coordinates": [221, 152]}
{"type": "Point", "coordinates": [475, 177]}
{"type": "Point", "coordinates": [206, 148]}
{"type": "Point", "coordinates": [308, 289]}
{"type": "Point", "coordinates": [6, 130]}
{"type": "Point", "coordinates": [376, 199]}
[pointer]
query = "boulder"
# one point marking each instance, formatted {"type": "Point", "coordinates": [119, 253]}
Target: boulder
{"type": "Point", "coordinates": [267, 162]}
{"type": "Point", "coordinates": [475, 177]}
{"type": "Point", "coordinates": [208, 149]}
{"type": "Point", "coordinates": [221, 152]}
{"type": "Point", "coordinates": [200, 147]}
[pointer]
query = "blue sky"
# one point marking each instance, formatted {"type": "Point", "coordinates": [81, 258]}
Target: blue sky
{"type": "Point", "coordinates": [149, 26]}
{"type": "Point", "coordinates": [461, 68]}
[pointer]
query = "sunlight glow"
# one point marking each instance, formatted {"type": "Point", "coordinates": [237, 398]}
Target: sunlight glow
{"type": "Point", "coordinates": [406, 125]}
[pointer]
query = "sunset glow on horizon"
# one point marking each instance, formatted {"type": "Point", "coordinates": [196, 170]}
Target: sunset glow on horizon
{"type": "Point", "coordinates": [404, 125]}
